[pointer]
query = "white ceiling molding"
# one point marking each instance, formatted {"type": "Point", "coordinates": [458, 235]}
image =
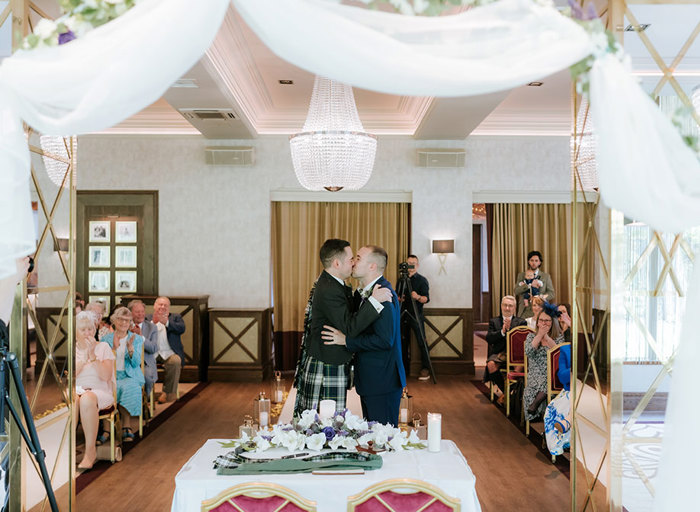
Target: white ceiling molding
{"type": "Point", "coordinates": [374, 196]}
{"type": "Point", "coordinates": [521, 121]}
{"type": "Point", "coordinates": [530, 196]}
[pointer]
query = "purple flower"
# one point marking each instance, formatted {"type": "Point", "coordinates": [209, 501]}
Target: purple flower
{"type": "Point", "coordinates": [578, 13]}
{"type": "Point", "coordinates": [343, 433]}
{"type": "Point", "coordinates": [330, 433]}
{"type": "Point", "coordinates": [309, 432]}
{"type": "Point", "coordinates": [66, 37]}
{"type": "Point", "coordinates": [372, 423]}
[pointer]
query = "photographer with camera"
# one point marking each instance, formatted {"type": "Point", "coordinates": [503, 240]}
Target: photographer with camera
{"type": "Point", "coordinates": [421, 295]}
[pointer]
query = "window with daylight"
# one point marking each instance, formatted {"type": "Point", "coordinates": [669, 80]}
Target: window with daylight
{"type": "Point", "coordinates": [655, 299]}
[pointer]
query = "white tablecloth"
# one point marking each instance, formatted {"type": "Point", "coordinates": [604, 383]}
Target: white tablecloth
{"type": "Point", "coordinates": [447, 469]}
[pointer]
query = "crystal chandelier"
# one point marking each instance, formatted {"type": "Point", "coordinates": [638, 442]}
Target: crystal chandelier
{"type": "Point", "coordinates": [333, 151]}
{"type": "Point", "coordinates": [58, 147]}
{"type": "Point", "coordinates": [583, 153]}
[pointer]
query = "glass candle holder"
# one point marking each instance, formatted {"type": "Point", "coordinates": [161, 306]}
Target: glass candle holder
{"type": "Point", "coordinates": [262, 410]}
{"type": "Point", "coordinates": [277, 395]}
{"type": "Point", "coordinates": [326, 409]}
{"type": "Point", "coordinates": [247, 427]}
{"type": "Point", "coordinates": [405, 408]}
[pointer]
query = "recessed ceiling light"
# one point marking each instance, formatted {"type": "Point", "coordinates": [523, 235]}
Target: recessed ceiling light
{"type": "Point", "coordinates": [286, 82]}
{"type": "Point", "coordinates": [535, 84]}
{"type": "Point", "coordinates": [637, 28]}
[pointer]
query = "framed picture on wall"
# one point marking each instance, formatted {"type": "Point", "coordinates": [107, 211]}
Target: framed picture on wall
{"type": "Point", "coordinates": [98, 281]}
{"type": "Point", "coordinates": [125, 256]}
{"type": "Point", "coordinates": [99, 256]}
{"type": "Point", "coordinates": [104, 299]}
{"type": "Point", "coordinates": [99, 231]}
{"type": "Point", "coordinates": [125, 281]}
{"type": "Point", "coordinates": [125, 231]}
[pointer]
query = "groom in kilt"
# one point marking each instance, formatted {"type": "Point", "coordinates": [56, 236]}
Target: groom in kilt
{"type": "Point", "coordinates": [323, 370]}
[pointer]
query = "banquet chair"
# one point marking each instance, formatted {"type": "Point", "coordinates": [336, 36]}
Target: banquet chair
{"type": "Point", "coordinates": [143, 351]}
{"type": "Point", "coordinates": [110, 414]}
{"type": "Point", "coordinates": [515, 358]}
{"type": "Point", "coordinates": [258, 497]}
{"type": "Point", "coordinates": [392, 496]}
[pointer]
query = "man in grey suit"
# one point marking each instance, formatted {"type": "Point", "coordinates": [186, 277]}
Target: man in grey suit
{"type": "Point", "coordinates": [147, 329]}
{"type": "Point", "coordinates": [542, 282]}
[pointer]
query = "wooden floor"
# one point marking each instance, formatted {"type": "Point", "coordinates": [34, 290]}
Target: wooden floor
{"type": "Point", "coordinates": [512, 475]}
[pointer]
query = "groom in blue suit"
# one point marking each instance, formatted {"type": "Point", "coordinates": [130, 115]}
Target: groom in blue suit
{"type": "Point", "coordinates": [379, 371]}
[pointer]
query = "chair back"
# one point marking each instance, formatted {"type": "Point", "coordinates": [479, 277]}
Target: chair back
{"type": "Point", "coordinates": [554, 385]}
{"type": "Point", "coordinates": [515, 344]}
{"type": "Point", "coordinates": [258, 497]}
{"type": "Point", "coordinates": [403, 495]}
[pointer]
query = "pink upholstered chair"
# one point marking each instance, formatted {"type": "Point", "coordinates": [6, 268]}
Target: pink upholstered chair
{"type": "Point", "coordinates": [392, 496]}
{"type": "Point", "coordinates": [258, 497]}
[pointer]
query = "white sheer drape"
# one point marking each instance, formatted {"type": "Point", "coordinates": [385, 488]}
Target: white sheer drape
{"type": "Point", "coordinates": [645, 169]}
{"type": "Point", "coordinates": [89, 85]}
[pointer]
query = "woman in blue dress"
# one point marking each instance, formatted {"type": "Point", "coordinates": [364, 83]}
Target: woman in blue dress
{"type": "Point", "coordinates": [128, 348]}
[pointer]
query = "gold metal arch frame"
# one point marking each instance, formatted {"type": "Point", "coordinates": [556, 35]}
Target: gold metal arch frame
{"type": "Point", "coordinates": [598, 469]}
{"type": "Point", "coordinates": [50, 391]}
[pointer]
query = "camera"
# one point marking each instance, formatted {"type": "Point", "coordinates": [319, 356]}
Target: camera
{"type": "Point", "coordinates": [403, 266]}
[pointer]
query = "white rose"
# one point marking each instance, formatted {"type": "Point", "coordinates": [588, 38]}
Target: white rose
{"type": "Point", "coordinates": [398, 441]}
{"type": "Point", "coordinates": [261, 444]}
{"type": "Point", "coordinates": [45, 28]}
{"type": "Point", "coordinates": [353, 422]}
{"type": "Point", "coordinates": [307, 418]}
{"type": "Point", "coordinates": [336, 442]}
{"type": "Point", "coordinates": [349, 443]}
{"type": "Point", "coordinates": [244, 438]}
{"type": "Point", "coordinates": [315, 442]}
{"type": "Point", "coordinates": [365, 439]}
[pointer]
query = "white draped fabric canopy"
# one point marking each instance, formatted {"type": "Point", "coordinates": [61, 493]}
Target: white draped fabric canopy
{"type": "Point", "coordinates": [116, 70]}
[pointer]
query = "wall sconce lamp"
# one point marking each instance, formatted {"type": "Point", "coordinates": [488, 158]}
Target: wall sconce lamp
{"type": "Point", "coordinates": [60, 244]}
{"type": "Point", "coordinates": [442, 248]}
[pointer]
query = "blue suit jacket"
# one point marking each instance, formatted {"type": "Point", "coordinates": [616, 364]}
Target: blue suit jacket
{"type": "Point", "coordinates": [176, 326]}
{"type": "Point", "coordinates": [378, 364]}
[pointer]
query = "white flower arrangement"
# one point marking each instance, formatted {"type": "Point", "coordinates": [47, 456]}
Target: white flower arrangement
{"type": "Point", "coordinates": [344, 431]}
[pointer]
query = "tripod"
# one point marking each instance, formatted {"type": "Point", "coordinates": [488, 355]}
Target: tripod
{"type": "Point", "coordinates": [9, 365]}
{"type": "Point", "coordinates": [404, 288]}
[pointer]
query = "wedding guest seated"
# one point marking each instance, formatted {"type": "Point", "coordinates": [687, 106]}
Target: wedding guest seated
{"type": "Point", "coordinates": [536, 305]}
{"type": "Point", "coordinates": [102, 327]}
{"type": "Point", "coordinates": [496, 340]}
{"type": "Point", "coordinates": [557, 416]}
{"type": "Point", "coordinates": [94, 378]}
{"type": "Point", "coordinates": [127, 347]}
{"type": "Point", "coordinates": [141, 325]}
{"type": "Point", "coordinates": [565, 321]}
{"type": "Point", "coordinates": [536, 345]}
{"type": "Point", "coordinates": [170, 350]}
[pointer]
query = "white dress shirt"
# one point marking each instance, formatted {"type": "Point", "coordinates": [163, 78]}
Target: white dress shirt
{"type": "Point", "coordinates": [164, 349]}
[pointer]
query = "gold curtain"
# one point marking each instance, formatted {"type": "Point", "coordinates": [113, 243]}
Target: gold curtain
{"type": "Point", "coordinates": [521, 228]}
{"type": "Point", "coordinates": [298, 231]}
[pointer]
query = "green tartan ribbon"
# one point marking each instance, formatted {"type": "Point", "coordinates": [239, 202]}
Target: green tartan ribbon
{"type": "Point", "coordinates": [234, 464]}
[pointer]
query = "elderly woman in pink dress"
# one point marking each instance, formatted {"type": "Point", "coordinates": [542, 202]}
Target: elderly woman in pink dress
{"type": "Point", "coordinates": [94, 370]}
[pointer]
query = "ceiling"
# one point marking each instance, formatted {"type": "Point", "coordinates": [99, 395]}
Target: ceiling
{"type": "Point", "coordinates": [239, 77]}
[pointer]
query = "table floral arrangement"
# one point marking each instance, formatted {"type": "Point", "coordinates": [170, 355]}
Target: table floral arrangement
{"type": "Point", "coordinates": [342, 431]}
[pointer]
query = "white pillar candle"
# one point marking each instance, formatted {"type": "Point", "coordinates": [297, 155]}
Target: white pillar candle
{"type": "Point", "coordinates": [264, 418]}
{"type": "Point", "coordinates": [403, 415]}
{"type": "Point", "coordinates": [434, 431]}
{"type": "Point", "coordinates": [326, 409]}
{"type": "Point", "coordinates": [278, 396]}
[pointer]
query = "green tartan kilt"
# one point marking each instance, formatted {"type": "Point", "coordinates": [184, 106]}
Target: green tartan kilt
{"type": "Point", "coordinates": [321, 381]}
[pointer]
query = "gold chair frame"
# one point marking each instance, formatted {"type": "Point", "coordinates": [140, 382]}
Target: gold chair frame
{"type": "Point", "coordinates": [393, 484]}
{"type": "Point", "coordinates": [258, 490]}
{"type": "Point", "coordinates": [510, 365]}
{"type": "Point", "coordinates": [113, 417]}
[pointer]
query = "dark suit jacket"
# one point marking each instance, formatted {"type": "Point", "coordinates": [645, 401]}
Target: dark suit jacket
{"type": "Point", "coordinates": [496, 340]}
{"type": "Point", "coordinates": [176, 326]}
{"type": "Point", "coordinates": [332, 305]}
{"type": "Point", "coordinates": [378, 364]}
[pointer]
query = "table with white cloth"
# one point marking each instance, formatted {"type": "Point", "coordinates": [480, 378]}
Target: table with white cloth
{"type": "Point", "coordinates": [446, 469]}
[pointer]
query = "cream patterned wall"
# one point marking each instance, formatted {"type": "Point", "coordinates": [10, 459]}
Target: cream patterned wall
{"type": "Point", "coordinates": [214, 222]}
